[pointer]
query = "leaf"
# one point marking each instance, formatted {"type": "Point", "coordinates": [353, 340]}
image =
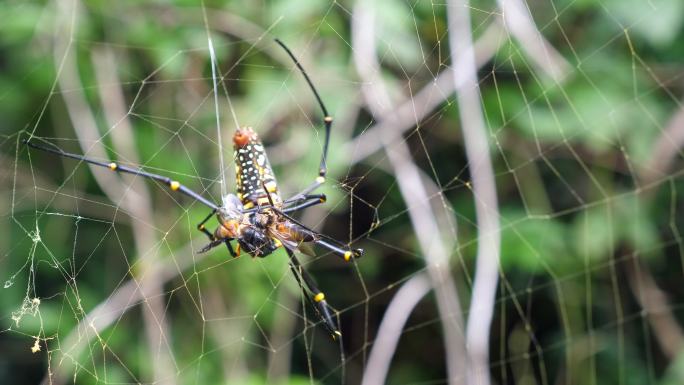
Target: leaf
{"type": "Point", "coordinates": [532, 244]}
{"type": "Point", "coordinates": [658, 21]}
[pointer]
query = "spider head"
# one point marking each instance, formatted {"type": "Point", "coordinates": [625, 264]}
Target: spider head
{"type": "Point", "coordinates": [243, 136]}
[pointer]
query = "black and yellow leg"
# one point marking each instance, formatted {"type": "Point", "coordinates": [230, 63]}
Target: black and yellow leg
{"type": "Point", "coordinates": [313, 186]}
{"type": "Point", "coordinates": [293, 205]}
{"type": "Point", "coordinates": [231, 250]}
{"type": "Point", "coordinates": [314, 296]}
{"type": "Point", "coordinates": [296, 200]}
{"type": "Point", "coordinates": [307, 201]}
{"type": "Point", "coordinates": [337, 247]}
{"type": "Point", "coordinates": [327, 122]}
{"type": "Point", "coordinates": [172, 184]}
{"type": "Point", "coordinates": [345, 252]}
{"type": "Point", "coordinates": [216, 242]}
{"type": "Point", "coordinates": [211, 245]}
{"type": "Point", "coordinates": [203, 228]}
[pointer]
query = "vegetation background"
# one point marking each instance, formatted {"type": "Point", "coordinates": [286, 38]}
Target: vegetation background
{"type": "Point", "coordinates": [555, 256]}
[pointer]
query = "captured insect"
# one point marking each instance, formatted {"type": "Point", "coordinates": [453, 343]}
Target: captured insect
{"type": "Point", "coordinates": [257, 217]}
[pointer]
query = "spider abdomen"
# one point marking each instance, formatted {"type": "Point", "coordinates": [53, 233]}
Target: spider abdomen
{"type": "Point", "coordinates": [253, 171]}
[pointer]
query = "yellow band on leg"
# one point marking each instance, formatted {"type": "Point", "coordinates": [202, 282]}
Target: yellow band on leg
{"type": "Point", "coordinates": [319, 297]}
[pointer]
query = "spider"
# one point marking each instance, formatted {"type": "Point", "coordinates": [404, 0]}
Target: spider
{"type": "Point", "coordinates": [257, 217]}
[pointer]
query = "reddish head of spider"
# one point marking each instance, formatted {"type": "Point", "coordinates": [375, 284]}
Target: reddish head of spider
{"type": "Point", "coordinates": [243, 136]}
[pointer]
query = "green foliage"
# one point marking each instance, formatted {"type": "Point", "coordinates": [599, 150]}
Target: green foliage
{"type": "Point", "coordinates": [536, 245]}
{"type": "Point", "coordinates": [571, 159]}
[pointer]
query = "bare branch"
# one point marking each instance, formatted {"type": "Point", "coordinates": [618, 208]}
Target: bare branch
{"type": "Point", "coordinates": [484, 191]}
{"type": "Point", "coordinates": [650, 297]}
{"type": "Point", "coordinates": [90, 140]}
{"type": "Point", "coordinates": [520, 24]}
{"type": "Point", "coordinates": [414, 108]}
{"type": "Point", "coordinates": [666, 149]}
{"type": "Point", "coordinates": [434, 247]}
{"type": "Point", "coordinates": [391, 327]}
{"type": "Point", "coordinates": [654, 301]}
{"type": "Point", "coordinates": [116, 114]}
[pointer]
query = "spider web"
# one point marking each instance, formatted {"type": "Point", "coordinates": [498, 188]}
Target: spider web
{"type": "Point", "coordinates": [569, 273]}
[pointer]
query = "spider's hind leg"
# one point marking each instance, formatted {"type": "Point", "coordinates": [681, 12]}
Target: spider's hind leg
{"type": "Point", "coordinates": [314, 296]}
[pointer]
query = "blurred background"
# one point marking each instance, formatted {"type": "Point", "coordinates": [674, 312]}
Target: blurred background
{"type": "Point", "coordinates": [512, 169]}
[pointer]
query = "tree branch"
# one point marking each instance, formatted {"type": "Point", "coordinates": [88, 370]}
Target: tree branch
{"type": "Point", "coordinates": [484, 191]}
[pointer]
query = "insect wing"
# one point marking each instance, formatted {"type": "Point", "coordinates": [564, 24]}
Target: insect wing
{"type": "Point", "coordinates": [232, 207]}
{"type": "Point", "coordinates": [291, 244]}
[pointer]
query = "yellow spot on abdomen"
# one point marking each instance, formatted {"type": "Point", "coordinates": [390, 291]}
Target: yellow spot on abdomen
{"type": "Point", "coordinates": [263, 201]}
{"type": "Point", "coordinates": [271, 187]}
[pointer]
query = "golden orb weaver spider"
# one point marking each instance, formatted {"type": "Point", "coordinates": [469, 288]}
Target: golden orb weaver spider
{"type": "Point", "coordinates": [257, 217]}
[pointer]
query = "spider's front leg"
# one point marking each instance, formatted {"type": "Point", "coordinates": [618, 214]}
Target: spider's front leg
{"type": "Point", "coordinates": [294, 205]}
{"type": "Point", "coordinates": [203, 229]}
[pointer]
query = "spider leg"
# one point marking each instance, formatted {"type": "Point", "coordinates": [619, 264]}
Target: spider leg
{"type": "Point", "coordinates": [314, 296]}
{"type": "Point", "coordinates": [327, 122]}
{"type": "Point", "coordinates": [211, 245]}
{"type": "Point", "coordinates": [232, 251]}
{"type": "Point", "coordinates": [173, 185]}
{"type": "Point", "coordinates": [311, 200]}
{"type": "Point", "coordinates": [325, 241]}
{"type": "Point", "coordinates": [216, 242]}
{"type": "Point", "coordinates": [203, 229]}
{"type": "Point", "coordinates": [212, 239]}
{"type": "Point", "coordinates": [297, 199]}
{"type": "Point", "coordinates": [313, 186]}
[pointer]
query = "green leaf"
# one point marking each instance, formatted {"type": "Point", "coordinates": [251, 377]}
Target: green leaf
{"type": "Point", "coordinates": [658, 21]}
{"type": "Point", "coordinates": [531, 244]}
